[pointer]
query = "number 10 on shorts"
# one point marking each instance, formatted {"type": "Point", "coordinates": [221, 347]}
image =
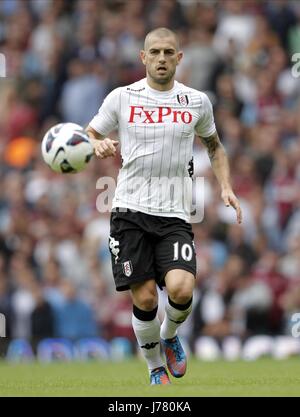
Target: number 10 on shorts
{"type": "Point", "coordinates": [186, 252]}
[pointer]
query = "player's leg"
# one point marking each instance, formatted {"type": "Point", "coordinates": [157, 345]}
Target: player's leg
{"type": "Point", "coordinates": [133, 268]}
{"type": "Point", "coordinates": [179, 285]}
{"type": "Point", "coordinates": [176, 264]}
{"type": "Point", "coordinates": [146, 327]}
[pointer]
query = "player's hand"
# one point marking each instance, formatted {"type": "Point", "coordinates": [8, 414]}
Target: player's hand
{"type": "Point", "coordinates": [230, 199]}
{"type": "Point", "coordinates": [105, 147]}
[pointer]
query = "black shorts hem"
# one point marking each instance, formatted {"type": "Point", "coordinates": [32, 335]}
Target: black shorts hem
{"type": "Point", "coordinates": [126, 285]}
{"type": "Point", "coordinates": [161, 283]}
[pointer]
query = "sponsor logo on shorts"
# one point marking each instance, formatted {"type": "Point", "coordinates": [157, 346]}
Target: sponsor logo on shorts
{"type": "Point", "coordinates": [127, 268]}
{"type": "Point", "coordinates": [114, 247]}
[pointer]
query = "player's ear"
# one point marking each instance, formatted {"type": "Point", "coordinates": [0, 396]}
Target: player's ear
{"type": "Point", "coordinates": [143, 56]}
{"type": "Point", "coordinates": [179, 56]}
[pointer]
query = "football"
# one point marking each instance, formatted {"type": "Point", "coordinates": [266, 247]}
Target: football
{"type": "Point", "coordinates": [66, 148]}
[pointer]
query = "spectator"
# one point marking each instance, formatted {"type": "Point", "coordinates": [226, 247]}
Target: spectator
{"type": "Point", "coordinates": [42, 318]}
{"type": "Point", "coordinates": [82, 94]}
{"type": "Point", "coordinates": [74, 318]}
{"type": "Point", "coordinates": [62, 58]}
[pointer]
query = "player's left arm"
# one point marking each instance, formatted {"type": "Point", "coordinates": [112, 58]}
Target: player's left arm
{"type": "Point", "coordinates": [220, 165]}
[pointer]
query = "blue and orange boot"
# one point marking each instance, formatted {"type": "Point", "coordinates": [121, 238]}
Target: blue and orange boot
{"type": "Point", "coordinates": [175, 356]}
{"type": "Point", "coordinates": [159, 376]}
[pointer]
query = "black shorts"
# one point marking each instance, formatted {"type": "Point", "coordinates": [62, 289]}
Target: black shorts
{"type": "Point", "coordinates": [146, 247]}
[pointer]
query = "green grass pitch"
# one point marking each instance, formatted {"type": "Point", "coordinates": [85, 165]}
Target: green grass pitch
{"type": "Point", "coordinates": [265, 377]}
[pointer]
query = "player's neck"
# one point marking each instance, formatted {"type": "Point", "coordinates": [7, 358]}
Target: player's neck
{"type": "Point", "coordinates": [160, 87]}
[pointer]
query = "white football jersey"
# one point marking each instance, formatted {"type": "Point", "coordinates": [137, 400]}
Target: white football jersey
{"type": "Point", "coordinates": [156, 131]}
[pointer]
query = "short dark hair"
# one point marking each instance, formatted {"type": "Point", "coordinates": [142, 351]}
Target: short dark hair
{"type": "Point", "coordinates": [162, 33]}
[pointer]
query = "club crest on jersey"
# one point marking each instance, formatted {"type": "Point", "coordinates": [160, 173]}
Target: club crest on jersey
{"type": "Point", "coordinates": [183, 99]}
{"type": "Point", "coordinates": [127, 268]}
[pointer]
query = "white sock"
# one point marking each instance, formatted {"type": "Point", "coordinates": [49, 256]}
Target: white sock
{"type": "Point", "coordinates": [172, 320]}
{"type": "Point", "coordinates": [148, 337]}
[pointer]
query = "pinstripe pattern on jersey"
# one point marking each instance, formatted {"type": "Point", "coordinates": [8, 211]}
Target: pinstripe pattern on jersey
{"type": "Point", "coordinates": [156, 134]}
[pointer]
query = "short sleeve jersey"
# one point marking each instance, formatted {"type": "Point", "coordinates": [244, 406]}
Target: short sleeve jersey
{"type": "Point", "coordinates": [156, 131]}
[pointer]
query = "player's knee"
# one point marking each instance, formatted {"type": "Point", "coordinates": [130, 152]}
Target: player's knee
{"type": "Point", "coordinates": [181, 295]}
{"type": "Point", "coordinates": [180, 287]}
{"type": "Point", "coordinates": [144, 296]}
{"type": "Point", "coordinates": [148, 303]}
{"type": "Point", "coordinates": [147, 299]}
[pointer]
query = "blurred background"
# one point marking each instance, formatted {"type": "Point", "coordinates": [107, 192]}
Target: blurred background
{"type": "Point", "coordinates": [63, 57]}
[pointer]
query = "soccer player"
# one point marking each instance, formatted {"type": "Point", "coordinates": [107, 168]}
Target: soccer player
{"type": "Point", "coordinates": [151, 238]}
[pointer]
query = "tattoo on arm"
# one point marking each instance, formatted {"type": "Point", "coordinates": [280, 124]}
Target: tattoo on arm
{"type": "Point", "coordinates": [212, 143]}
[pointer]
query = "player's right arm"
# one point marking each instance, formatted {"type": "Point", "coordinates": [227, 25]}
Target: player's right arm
{"type": "Point", "coordinates": [102, 124]}
{"type": "Point", "coordinates": [103, 147]}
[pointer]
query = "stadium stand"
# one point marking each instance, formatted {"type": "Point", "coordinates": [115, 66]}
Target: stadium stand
{"type": "Point", "coordinates": [63, 57]}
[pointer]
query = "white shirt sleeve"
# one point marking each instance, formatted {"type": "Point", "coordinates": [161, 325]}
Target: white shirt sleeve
{"type": "Point", "coordinates": [206, 124]}
{"type": "Point", "coordinates": [106, 119]}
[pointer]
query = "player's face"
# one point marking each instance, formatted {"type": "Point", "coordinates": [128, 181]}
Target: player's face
{"type": "Point", "coordinates": [161, 58]}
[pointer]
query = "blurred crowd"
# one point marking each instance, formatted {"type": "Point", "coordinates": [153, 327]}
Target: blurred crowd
{"type": "Point", "coordinates": [63, 57]}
